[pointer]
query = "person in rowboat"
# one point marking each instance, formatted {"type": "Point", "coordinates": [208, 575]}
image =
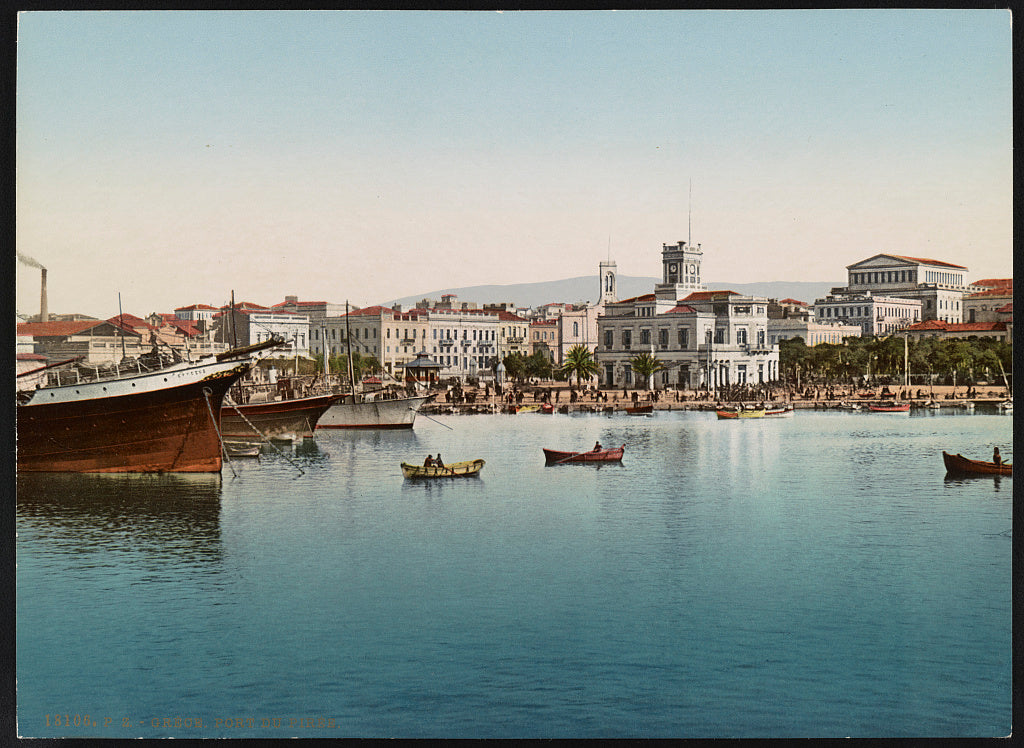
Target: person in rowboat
{"type": "Point", "coordinates": [437, 461]}
{"type": "Point", "coordinates": [429, 462]}
{"type": "Point", "coordinates": [996, 457]}
{"type": "Point", "coordinates": [597, 446]}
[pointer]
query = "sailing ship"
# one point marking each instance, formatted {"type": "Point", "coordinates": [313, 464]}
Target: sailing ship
{"type": "Point", "coordinates": [148, 415]}
{"type": "Point", "coordinates": [292, 419]}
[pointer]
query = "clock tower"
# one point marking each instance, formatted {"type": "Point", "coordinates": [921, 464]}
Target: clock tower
{"type": "Point", "coordinates": [680, 271]}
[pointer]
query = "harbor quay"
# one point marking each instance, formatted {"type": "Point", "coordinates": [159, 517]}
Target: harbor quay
{"type": "Point", "coordinates": [483, 400]}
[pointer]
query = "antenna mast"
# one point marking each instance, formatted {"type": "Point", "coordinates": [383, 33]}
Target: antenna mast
{"type": "Point", "coordinates": [689, 215]}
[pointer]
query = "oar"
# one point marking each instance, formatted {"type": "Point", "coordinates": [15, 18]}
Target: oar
{"type": "Point", "coordinates": [424, 415]}
{"type": "Point", "coordinates": [566, 459]}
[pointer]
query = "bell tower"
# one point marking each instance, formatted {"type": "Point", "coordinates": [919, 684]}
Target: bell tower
{"type": "Point", "coordinates": [680, 271]}
{"type": "Point", "coordinates": [609, 292]}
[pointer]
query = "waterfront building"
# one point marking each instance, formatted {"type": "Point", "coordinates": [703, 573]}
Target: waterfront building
{"type": "Point", "coordinates": [703, 338]}
{"type": "Point", "coordinates": [934, 328]}
{"type": "Point", "coordinates": [812, 332]}
{"type": "Point", "coordinates": [312, 310]}
{"type": "Point", "coordinates": [984, 305]}
{"type": "Point", "coordinates": [247, 324]}
{"type": "Point", "coordinates": [873, 314]}
{"type": "Point", "coordinates": [544, 338]}
{"type": "Point", "coordinates": [464, 341]}
{"type": "Point", "coordinates": [513, 334]}
{"type": "Point", "coordinates": [938, 285]}
{"type": "Point", "coordinates": [789, 309]}
{"type": "Point", "coordinates": [97, 341]}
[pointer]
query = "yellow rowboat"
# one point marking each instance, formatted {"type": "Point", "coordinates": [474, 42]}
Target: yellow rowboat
{"type": "Point", "coordinates": [741, 413]}
{"type": "Point", "coordinates": [455, 470]}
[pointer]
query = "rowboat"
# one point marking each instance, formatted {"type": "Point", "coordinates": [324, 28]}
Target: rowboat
{"type": "Point", "coordinates": [894, 408]}
{"type": "Point", "coordinates": [785, 410]}
{"type": "Point", "coordinates": [960, 465]}
{"type": "Point", "coordinates": [554, 457]}
{"type": "Point", "coordinates": [741, 413]}
{"type": "Point", "coordinates": [547, 408]}
{"type": "Point", "coordinates": [639, 410]}
{"type": "Point", "coordinates": [242, 449]}
{"type": "Point", "coordinates": [464, 469]}
{"type": "Point", "coordinates": [1006, 406]}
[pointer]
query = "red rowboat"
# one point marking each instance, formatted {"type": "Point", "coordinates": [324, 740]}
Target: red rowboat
{"type": "Point", "coordinates": [639, 410]}
{"type": "Point", "coordinates": [547, 408]}
{"type": "Point", "coordinates": [554, 457]}
{"type": "Point", "coordinates": [960, 465]}
{"type": "Point", "coordinates": [890, 408]}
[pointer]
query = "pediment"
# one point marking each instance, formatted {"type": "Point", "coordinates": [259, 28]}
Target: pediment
{"type": "Point", "coordinates": [882, 261]}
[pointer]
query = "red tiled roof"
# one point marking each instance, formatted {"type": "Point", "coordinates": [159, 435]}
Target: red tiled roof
{"type": "Point", "coordinates": [510, 317]}
{"type": "Point", "coordinates": [1006, 308]}
{"type": "Point", "coordinates": [994, 282]}
{"type": "Point", "coordinates": [130, 321]}
{"type": "Point", "coordinates": [709, 295]}
{"type": "Point", "coordinates": [195, 307]}
{"type": "Point", "coordinates": [926, 261]}
{"type": "Point", "coordinates": [645, 297]}
{"type": "Point", "coordinates": [792, 301]}
{"type": "Point", "coordinates": [680, 309]}
{"type": "Point", "coordinates": [934, 324]}
{"type": "Point", "coordinates": [55, 329]}
{"type": "Point", "coordinates": [544, 323]}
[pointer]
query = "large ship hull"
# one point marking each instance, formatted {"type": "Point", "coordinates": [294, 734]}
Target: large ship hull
{"type": "Point", "coordinates": [377, 414]}
{"type": "Point", "coordinates": [296, 418]}
{"type": "Point", "coordinates": [165, 421]}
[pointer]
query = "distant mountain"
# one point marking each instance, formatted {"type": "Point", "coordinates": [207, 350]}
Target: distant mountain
{"type": "Point", "coordinates": [587, 288]}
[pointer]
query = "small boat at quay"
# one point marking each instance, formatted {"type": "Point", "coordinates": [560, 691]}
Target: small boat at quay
{"type": "Point", "coordinates": [242, 449]}
{"type": "Point", "coordinates": [894, 408]}
{"type": "Point", "coordinates": [149, 415]}
{"type": "Point", "coordinates": [1006, 406]}
{"type": "Point", "coordinates": [253, 421]}
{"type": "Point", "coordinates": [639, 410]}
{"type": "Point", "coordinates": [555, 457]}
{"type": "Point", "coordinates": [785, 410]}
{"type": "Point", "coordinates": [466, 469]}
{"type": "Point", "coordinates": [380, 413]}
{"type": "Point", "coordinates": [959, 465]}
{"type": "Point", "coordinates": [730, 413]}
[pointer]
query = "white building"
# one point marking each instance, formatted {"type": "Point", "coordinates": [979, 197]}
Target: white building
{"type": "Point", "coordinates": [938, 285]}
{"type": "Point", "coordinates": [873, 314]}
{"type": "Point", "coordinates": [703, 338]}
{"type": "Point", "coordinates": [811, 332]}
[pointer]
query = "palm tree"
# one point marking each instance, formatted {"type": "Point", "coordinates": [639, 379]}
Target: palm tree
{"type": "Point", "coordinates": [644, 364]}
{"type": "Point", "coordinates": [578, 361]}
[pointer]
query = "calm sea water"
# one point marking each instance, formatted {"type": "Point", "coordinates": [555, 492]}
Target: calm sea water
{"type": "Point", "coordinates": [813, 576]}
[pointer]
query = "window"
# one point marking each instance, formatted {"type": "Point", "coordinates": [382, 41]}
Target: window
{"type": "Point", "coordinates": [575, 329]}
{"type": "Point", "coordinates": [627, 339]}
{"type": "Point", "coordinates": [608, 339]}
{"type": "Point", "coordinates": [683, 336]}
{"type": "Point", "coordinates": [645, 337]}
{"type": "Point", "coordinates": [663, 338]}
{"type": "Point", "coordinates": [741, 336]}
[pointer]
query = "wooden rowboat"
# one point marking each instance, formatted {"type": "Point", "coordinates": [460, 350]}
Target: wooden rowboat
{"type": "Point", "coordinates": [554, 457]}
{"type": "Point", "coordinates": [890, 408]}
{"type": "Point", "coordinates": [785, 410]}
{"type": "Point", "coordinates": [639, 410]}
{"type": "Point", "coordinates": [454, 470]}
{"type": "Point", "coordinates": [960, 465]}
{"type": "Point", "coordinates": [242, 449]}
{"type": "Point", "coordinates": [741, 413]}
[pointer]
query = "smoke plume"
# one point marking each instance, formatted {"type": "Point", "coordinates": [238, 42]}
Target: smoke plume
{"type": "Point", "coordinates": [30, 262]}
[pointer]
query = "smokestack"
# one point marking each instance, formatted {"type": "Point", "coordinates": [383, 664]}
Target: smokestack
{"type": "Point", "coordinates": [44, 314]}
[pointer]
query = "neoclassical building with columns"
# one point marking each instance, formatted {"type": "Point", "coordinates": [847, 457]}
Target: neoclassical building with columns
{"type": "Point", "coordinates": [704, 339]}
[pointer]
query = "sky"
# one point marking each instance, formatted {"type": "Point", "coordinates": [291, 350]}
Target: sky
{"type": "Point", "coordinates": [173, 158]}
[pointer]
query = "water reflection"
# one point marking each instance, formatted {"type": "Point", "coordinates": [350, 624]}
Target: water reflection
{"type": "Point", "coordinates": [167, 515]}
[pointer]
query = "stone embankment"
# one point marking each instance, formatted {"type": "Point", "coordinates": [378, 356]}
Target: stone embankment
{"type": "Point", "coordinates": [472, 401]}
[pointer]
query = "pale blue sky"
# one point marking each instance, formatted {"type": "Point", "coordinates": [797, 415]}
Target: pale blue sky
{"type": "Point", "coordinates": [175, 156]}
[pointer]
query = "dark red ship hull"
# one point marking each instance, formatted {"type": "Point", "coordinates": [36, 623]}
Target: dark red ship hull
{"type": "Point", "coordinates": [295, 417]}
{"type": "Point", "coordinates": [164, 430]}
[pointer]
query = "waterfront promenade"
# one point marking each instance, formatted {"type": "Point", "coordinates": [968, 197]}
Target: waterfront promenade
{"type": "Point", "coordinates": [476, 400]}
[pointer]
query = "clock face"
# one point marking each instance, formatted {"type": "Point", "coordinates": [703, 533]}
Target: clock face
{"type": "Point", "coordinates": [672, 267]}
{"type": "Point", "coordinates": [693, 268]}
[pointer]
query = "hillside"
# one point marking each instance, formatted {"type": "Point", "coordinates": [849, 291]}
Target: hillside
{"type": "Point", "coordinates": [586, 288]}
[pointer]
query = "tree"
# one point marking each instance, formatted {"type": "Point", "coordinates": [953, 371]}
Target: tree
{"type": "Point", "coordinates": [515, 366]}
{"type": "Point", "coordinates": [579, 362]}
{"type": "Point", "coordinates": [538, 364]}
{"type": "Point", "coordinates": [644, 365]}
